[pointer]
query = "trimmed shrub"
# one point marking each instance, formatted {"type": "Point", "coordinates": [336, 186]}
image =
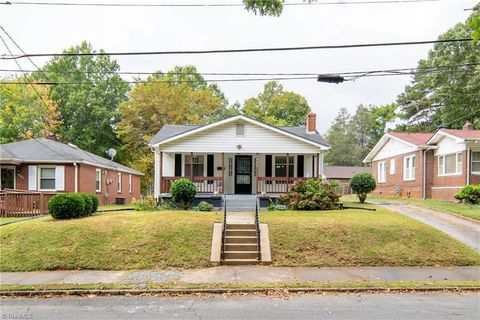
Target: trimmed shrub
{"type": "Point", "coordinates": [94, 202]}
{"type": "Point", "coordinates": [362, 184]}
{"type": "Point", "coordinates": [88, 204]}
{"type": "Point", "coordinates": [66, 206]}
{"type": "Point", "coordinates": [183, 191]}
{"type": "Point", "coordinates": [470, 194]}
{"type": "Point", "coordinates": [203, 206]}
{"type": "Point", "coordinates": [310, 195]}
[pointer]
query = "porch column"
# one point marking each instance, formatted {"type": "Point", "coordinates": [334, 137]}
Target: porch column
{"type": "Point", "coordinates": [223, 173]}
{"type": "Point", "coordinates": [160, 173]}
{"type": "Point", "coordinates": [191, 166]}
{"type": "Point", "coordinates": [256, 171]}
{"type": "Point", "coordinates": [288, 171]}
{"type": "Point", "coordinates": [318, 165]}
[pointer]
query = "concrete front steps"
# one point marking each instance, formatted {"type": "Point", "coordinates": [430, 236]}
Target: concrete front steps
{"type": "Point", "coordinates": [241, 245]}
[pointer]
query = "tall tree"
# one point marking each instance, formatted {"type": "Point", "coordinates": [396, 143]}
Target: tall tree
{"type": "Point", "coordinates": [277, 107]}
{"type": "Point", "coordinates": [166, 99]}
{"type": "Point", "coordinates": [26, 112]}
{"type": "Point", "coordinates": [449, 96]}
{"type": "Point", "coordinates": [368, 125]}
{"type": "Point", "coordinates": [267, 7]}
{"type": "Point", "coordinates": [88, 102]}
{"type": "Point", "coordinates": [342, 141]}
{"type": "Point", "coordinates": [474, 22]}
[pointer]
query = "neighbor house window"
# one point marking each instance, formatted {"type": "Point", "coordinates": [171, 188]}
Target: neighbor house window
{"type": "Point", "coordinates": [130, 183]}
{"type": "Point", "coordinates": [281, 166]}
{"type": "Point", "coordinates": [47, 178]}
{"type": "Point", "coordinates": [119, 182]}
{"type": "Point", "coordinates": [239, 129]}
{"type": "Point", "coordinates": [392, 167]}
{"type": "Point", "coordinates": [98, 180]}
{"type": "Point", "coordinates": [476, 162]}
{"type": "Point", "coordinates": [382, 171]}
{"type": "Point", "coordinates": [409, 168]}
{"type": "Point", "coordinates": [450, 164]}
{"type": "Point", "coordinates": [197, 163]}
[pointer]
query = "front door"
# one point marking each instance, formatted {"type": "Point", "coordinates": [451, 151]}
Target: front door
{"type": "Point", "coordinates": [7, 178]}
{"type": "Point", "coordinates": [243, 174]}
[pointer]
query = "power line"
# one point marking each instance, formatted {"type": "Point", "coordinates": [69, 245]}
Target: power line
{"type": "Point", "coordinates": [207, 5]}
{"type": "Point", "coordinates": [416, 69]}
{"type": "Point", "coordinates": [247, 50]}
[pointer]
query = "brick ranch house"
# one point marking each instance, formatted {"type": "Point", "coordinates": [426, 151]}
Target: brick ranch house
{"type": "Point", "coordinates": [50, 166]}
{"type": "Point", "coordinates": [426, 165]}
{"type": "Point", "coordinates": [237, 155]}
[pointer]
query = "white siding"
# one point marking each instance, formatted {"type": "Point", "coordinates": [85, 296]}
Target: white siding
{"type": "Point", "coordinates": [32, 177]}
{"type": "Point", "coordinates": [448, 146]}
{"type": "Point", "coordinates": [393, 148]}
{"type": "Point", "coordinates": [168, 168]}
{"type": "Point", "coordinates": [308, 166]}
{"type": "Point", "coordinates": [223, 139]}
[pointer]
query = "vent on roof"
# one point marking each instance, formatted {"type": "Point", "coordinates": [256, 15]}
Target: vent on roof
{"type": "Point", "coordinates": [72, 145]}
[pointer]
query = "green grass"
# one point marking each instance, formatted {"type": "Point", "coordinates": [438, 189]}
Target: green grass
{"type": "Point", "coordinates": [241, 285]}
{"type": "Point", "coordinates": [110, 241]}
{"type": "Point", "coordinates": [470, 211]}
{"type": "Point", "coordinates": [115, 206]}
{"type": "Point", "coordinates": [360, 238]}
{"type": "Point", "coordinates": [11, 219]}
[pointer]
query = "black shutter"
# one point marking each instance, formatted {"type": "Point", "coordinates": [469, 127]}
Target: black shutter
{"type": "Point", "coordinates": [268, 165]}
{"type": "Point", "coordinates": [300, 166]}
{"type": "Point", "coordinates": [178, 165]}
{"type": "Point", "coordinates": [210, 165]}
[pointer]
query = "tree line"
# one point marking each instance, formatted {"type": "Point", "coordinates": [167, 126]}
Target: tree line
{"type": "Point", "coordinates": [445, 97]}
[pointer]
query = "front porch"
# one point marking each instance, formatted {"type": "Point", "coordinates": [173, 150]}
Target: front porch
{"type": "Point", "coordinates": [239, 173]}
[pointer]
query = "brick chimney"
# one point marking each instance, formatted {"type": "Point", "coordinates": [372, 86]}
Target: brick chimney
{"type": "Point", "coordinates": [312, 123]}
{"type": "Point", "coordinates": [468, 126]}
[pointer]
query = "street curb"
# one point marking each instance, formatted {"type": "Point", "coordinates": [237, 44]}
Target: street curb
{"type": "Point", "coordinates": [139, 292]}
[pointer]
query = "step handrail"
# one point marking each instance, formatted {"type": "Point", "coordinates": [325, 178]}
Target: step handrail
{"type": "Point", "coordinates": [224, 228]}
{"type": "Point", "coordinates": [257, 226]}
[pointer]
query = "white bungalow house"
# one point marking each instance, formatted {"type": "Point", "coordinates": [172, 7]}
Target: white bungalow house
{"type": "Point", "coordinates": [237, 155]}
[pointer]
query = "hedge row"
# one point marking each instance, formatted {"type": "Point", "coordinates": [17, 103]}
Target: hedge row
{"type": "Point", "coordinates": [72, 205]}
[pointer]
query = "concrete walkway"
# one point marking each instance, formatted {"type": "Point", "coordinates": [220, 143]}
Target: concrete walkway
{"type": "Point", "coordinates": [463, 230]}
{"type": "Point", "coordinates": [252, 274]}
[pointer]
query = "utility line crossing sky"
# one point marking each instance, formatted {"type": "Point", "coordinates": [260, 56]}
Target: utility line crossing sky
{"type": "Point", "coordinates": [40, 29]}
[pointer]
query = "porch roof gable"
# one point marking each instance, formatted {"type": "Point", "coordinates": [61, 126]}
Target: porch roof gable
{"type": "Point", "coordinates": [169, 133]}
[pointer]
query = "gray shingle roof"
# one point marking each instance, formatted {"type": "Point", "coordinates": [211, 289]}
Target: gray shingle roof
{"type": "Point", "coordinates": [46, 150]}
{"type": "Point", "coordinates": [170, 130]}
{"type": "Point", "coordinates": [343, 172]}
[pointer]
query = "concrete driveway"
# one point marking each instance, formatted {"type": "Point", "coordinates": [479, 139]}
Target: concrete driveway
{"type": "Point", "coordinates": [463, 230]}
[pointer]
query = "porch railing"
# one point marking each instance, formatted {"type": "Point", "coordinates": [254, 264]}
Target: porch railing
{"type": "Point", "coordinates": [203, 184]}
{"type": "Point", "coordinates": [276, 184]}
{"type": "Point", "coordinates": [21, 203]}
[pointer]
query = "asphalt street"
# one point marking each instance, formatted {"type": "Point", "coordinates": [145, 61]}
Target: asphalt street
{"type": "Point", "coordinates": [435, 306]}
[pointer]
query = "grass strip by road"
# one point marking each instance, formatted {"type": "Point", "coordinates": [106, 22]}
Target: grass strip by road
{"type": "Point", "coordinates": [410, 285]}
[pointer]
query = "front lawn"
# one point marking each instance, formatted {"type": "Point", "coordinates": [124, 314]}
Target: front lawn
{"type": "Point", "coordinates": [470, 211]}
{"type": "Point", "coordinates": [109, 241]}
{"type": "Point", "coordinates": [12, 219]}
{"type": "Point", "coordinates": [360, 238]}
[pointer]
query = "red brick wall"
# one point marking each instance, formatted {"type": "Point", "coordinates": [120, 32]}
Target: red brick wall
{"type": "Point", "coordinates": [109, 191]}
{"type": "Point", "coordinates": [445, 187]}
{"type": "Point", "coordinates": [410, 189]}
{"type": "Point", "coordinates": [86, 182]}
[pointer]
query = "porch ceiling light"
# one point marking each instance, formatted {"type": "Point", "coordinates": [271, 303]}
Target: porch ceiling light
{"type": "Point", "coordinates": [239, 146]}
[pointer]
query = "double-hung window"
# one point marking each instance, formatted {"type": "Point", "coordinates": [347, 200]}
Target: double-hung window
{"type": "Point", "coordinates": [119, 183]}
{"type": "Point", "coordinates": [195, 162]}
{"type": "Point", "coordinates": [476, 162]}
{"type": "Point", "coordinates": [409, 168]}
{"type": "Point", "coordinates": [130, 183]}
{"type": "Point", "coordinates": [382, 172]}
{"type": "Point", "coordinates": [98, 180]}
{"type": "Point", "coordinates": [281, 166]}
{"type": "Point", "coordinates": [450, 164]}
{"type": "Point", "coordinates": [47, 178]}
